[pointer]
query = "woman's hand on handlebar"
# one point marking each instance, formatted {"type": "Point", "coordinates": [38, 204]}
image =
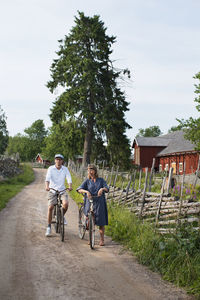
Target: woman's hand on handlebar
{"type": "Point", "coordinates": [89, 195]}
{"type": "Point", "coordinates": [100, 192]}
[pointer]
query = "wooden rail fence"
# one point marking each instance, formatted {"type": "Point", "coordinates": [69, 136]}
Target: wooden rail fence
{"type": "Point", "coordinates": [161, 209]}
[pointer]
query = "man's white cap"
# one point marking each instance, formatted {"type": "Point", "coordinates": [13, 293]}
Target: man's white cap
{"type": "Point", "coordinates": [59, 156]}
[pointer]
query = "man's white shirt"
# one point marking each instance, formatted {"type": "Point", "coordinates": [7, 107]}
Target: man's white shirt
{"type": "Point", "coordinates": [56, 177]}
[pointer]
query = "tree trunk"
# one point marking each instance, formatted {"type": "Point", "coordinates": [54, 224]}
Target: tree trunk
{"type": "Point", "coordinates": [88, 143]}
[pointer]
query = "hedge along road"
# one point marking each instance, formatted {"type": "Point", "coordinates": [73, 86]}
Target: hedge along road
{"type": "Point", "coordinates": [35, 267]}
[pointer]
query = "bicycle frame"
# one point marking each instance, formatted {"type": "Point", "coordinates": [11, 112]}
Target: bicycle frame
{"type": "Point", "coordinates": [58, 212]}
{"type": "Point", "coordinates": [91, 220]}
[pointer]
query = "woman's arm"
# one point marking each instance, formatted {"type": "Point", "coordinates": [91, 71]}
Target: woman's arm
{"type": "Point", "coordinates": [82, 191]}
{"type": "Point", "coordinates": [103, 189]}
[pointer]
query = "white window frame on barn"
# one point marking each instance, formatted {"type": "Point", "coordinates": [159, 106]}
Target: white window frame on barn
{"type": "Point", "coordinates": [181, 167]}
{"type": "Point", "coordinates": [167, 167]}
{"type": "Point", "coordinates": [160, 167]}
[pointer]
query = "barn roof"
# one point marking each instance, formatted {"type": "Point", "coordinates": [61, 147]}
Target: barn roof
{"type": "Point", "coordinates": [173, 142]}
{"type": "Point", "coordinates": [151, 141]}
{"type": "Point", "coordinates": [177, 144]}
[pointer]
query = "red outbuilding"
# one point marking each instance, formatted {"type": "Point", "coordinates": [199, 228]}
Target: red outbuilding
{"type": "Point", "coordinates": [169, 150]}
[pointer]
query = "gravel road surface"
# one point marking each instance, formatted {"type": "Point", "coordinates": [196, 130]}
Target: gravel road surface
{"type": "Point", "coordinates": [34, 267]}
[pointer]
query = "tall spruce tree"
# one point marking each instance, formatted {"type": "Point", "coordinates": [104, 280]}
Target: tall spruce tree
{"type": "Point", "coordinates": [91, 93]}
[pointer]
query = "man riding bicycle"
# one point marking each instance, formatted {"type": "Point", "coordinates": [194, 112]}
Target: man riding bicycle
{"type": "Point", "coordinates": [55, 180]}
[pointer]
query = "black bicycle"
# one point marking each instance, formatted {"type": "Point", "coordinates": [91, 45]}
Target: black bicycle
{"type": "Point", "coordinates": [59, 215]}
{"type": "Point", "coordinates": [87, 223]}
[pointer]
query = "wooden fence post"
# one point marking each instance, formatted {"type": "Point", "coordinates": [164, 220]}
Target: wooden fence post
{"type": "Point", "coordinates": [115, 179]}
{"type": "Point", "coordinates": [140, 178]}
{"type": "Point", "coordinates": [160, 200]}
{"type": "Point", "coordinates": [144, 191]}
{"type": "Point", "coordinates": [197, 171]}
{"type": "Point", "coordinates": [181, 196]}
{"type": "Point", "coordinates": [110, 180]}
{"type": "Point", "coordinates": [169, 179]}
{"type": "Point", "coordinates": [152, 169]}
{"type": "Point", "coordinates": [134, 177]}
{"type": "Point", "coordinates": [111, 176]}
{"type": "Point", "coordinates": [103, 169]}
{"type": "Point", "coordinates": [128, 186]}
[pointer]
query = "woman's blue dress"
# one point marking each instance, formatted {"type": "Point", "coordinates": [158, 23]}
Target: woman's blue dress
{"type": "Point", "coordinates": [99, 203]}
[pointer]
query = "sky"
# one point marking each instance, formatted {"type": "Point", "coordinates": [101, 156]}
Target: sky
{"type": "Point", "coordinates": [157, 40]}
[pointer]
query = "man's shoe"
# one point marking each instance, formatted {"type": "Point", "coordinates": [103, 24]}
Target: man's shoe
{"type": "Point", "coordinates": [48, 232]}
{"type": "Point", "coordinates": [65, 221]}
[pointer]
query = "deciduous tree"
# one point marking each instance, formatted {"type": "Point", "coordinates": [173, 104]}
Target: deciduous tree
{"type": "Point", "coordinates": [192, 125]}
{"type": "Point", "coordinates": [151, 131]}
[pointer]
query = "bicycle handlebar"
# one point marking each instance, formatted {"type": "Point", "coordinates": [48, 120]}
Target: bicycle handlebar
{"type": "Point", "coordinates": [67, 189]}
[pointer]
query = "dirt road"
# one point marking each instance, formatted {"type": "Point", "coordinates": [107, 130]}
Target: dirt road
{"type": "Point", "coordinates": [35, 267]}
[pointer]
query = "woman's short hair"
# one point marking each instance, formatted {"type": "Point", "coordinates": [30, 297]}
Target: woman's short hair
{"type": "Point", "coordinates": [93, 167]}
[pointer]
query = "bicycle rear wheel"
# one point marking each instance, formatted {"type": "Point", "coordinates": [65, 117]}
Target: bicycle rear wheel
{"type": "Point", "coordinates": [62, 225]}
{"type": "Point", "coordinates": [81, 223]}
{"type": "Point", "coordinates": [91, 231]}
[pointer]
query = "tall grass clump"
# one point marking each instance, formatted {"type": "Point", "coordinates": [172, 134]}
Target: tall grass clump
{"type": "Point", "coordinates": [10, 187]}
{"type": "Point", "coordinates": [176, 258]}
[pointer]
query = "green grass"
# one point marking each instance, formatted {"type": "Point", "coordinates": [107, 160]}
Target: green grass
{"type": "Point", "coordinates": [74, 194]}
{"type": "Point", "coordinates": [177, 259]}
{"type": "Point", "coordinates": [10, 187]}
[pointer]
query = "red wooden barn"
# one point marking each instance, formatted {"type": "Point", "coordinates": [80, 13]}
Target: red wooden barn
{"type": "Point", "coordinates": [169, 150]}
{"type": "Point", "coordinates": [42, 161]}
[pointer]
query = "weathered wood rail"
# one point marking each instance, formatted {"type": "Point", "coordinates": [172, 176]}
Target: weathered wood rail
{"type": "Point", "coordinates": [161, 209]}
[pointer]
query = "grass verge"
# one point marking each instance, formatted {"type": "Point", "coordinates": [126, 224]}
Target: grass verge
{"type": "Point", "coordinates": [74, 194]}
{"type": "Point", "coordinates": [177, 258]}
{"type": "Point", "coordinates": [10, 187]}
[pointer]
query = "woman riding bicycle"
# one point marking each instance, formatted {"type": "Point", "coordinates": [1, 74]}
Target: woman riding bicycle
{"type": "Point", "coordinates": [95, 186]}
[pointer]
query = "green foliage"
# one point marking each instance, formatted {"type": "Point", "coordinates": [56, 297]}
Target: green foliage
{"type": "Point", "coordinates": [176, 258]}
{"type": "Point", "coordinates": [36, 132]}
{"type": "Point", "coordinates": [66, 138]}
{"type": "Point", "coordinates": [175, 128]}
{"type": "Point", "coordinates": [151, 131]}
{"type": "Point", "coordinates": [91, 93]}
{"type": "Point", "coordinates": [121, 157]}
{"type": "Point", "coordinates": [3, 132]}
{"type": "Point", "coordinates": [9, 188]}
{"type": "Point", "coordinates": [76, 182]}
{"type": "Point", "coordinates": [192, 125]}
{"type": "Point", "coordinates": [20, 144]}
{"type": "Point", "coordinates": [29, 145]}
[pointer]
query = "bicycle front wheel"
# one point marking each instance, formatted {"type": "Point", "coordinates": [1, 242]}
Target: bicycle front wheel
{"type": "Point", "coordinates": [81, 223]}
{"type": "Point", "coordinates": [62, 226]}
{"type": "Point", "coordinates": [91, 231]}
{"type": "Point", "coordinates": [57, 218]}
